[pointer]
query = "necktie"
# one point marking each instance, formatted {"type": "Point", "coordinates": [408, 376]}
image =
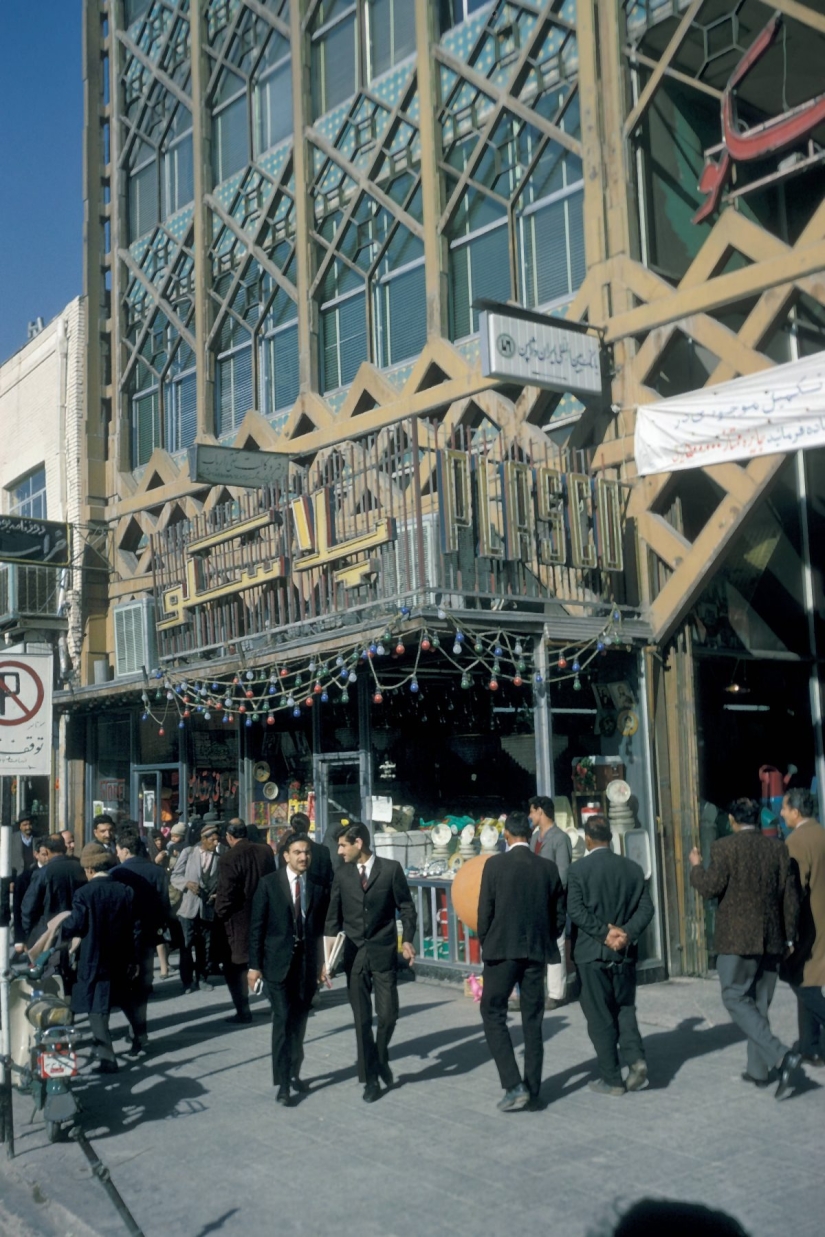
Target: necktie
{"type": "Point", "coordinates": [299, 921]}
{"type": "Point", "coordinates": [363, 871]}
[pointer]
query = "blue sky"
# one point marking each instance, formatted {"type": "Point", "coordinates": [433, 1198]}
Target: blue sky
{"type": "Point", "coordinates": [41, 163]}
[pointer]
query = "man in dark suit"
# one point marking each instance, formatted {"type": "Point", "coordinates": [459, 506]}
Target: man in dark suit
{"type": "Point", "coordinates": [103, 832]}
{"type": "Point", "coordinates": [150, 888]}
{"type": "Point", "coordinates": [240, 871]}
{"type": "Point", "coordinates": [103, 917]}
{"type": "Point", "coordinates": [520, 918]}
{"type": "Point", "coordinates": [756, 920]}
{"type": "Point", "coordinates": [367, 893]}
{"type": "Point", "coordinates": [23, 847]}
{"type": "Point", "coordinates": [52, 888]}
{"type": "Point", "coordinates": [286, 951]}
{"type": "Point", "coordinates": [322, 870]}
{"type": "Point", "coordinates": [609, 907]}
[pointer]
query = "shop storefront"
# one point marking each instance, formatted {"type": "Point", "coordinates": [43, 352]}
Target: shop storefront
{"type": "Point", "coordinates": [415, 630]}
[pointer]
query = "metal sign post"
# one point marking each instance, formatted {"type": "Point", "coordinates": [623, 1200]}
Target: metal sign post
{"type": "Point", "coordinates": [6, 1115]}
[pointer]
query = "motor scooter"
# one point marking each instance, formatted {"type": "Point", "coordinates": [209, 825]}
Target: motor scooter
{"type": "Point", "coordinates": [43, 1039]}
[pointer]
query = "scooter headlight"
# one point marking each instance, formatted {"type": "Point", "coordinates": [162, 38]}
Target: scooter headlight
{"type": "Point", "coordinates": [49, 1011]}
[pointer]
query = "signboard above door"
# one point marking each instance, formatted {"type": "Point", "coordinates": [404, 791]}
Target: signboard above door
{"type": "Point", "coordinates": [540, 352]}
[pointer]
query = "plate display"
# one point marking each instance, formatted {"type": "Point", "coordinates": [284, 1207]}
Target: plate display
{"type": "Point", "coordinates": [270, 791]}
{"type": "Point", "coordinates": [260, 771]}
{"type": "Point", "coordinates": [618, 791]}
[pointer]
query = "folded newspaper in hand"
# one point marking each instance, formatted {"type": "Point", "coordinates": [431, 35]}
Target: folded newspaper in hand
{"type": "Point", "coordinates": [333, 949]}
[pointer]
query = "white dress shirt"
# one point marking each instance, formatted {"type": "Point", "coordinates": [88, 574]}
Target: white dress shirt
{"type": "Point", "coordinates": [365, 869]}
{"type": "Point", "coordinates": [292, 877]}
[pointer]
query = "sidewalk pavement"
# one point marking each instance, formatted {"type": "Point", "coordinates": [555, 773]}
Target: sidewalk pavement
{"type": "Point", "coordinates": [197, 1145]}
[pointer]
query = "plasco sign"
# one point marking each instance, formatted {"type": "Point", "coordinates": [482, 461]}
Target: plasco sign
{"type": "Point", "coordinates": [25, 715]}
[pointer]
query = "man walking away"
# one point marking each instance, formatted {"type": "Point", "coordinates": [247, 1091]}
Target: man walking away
{"type": "Point", "coordinates": [103, 917]}
{"type": "Point", "coordinates": [551, 842]}
{"type": "Point", "coordinates": [806, 845]}
{"type": "Point", "coordinates": [366, 894]}
{"type": "Point", "coordinates": [286, 950]}
{"type": "Point", "coordinates": [150, 891]}
{"type": "Point", "coordinates": [755, 925]}
{"type": "Point", "coordinates": [196, 876]}
{"type": "Point", "coordinates": [610, 907]}
{"type": "Point", "coordinates": [520, 918]}
{"type": "Point", "coordinates": [239, 873]}
{"type": "Point", "coordinates": [52, 889]}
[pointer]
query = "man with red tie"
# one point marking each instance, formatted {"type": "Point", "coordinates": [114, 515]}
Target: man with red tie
{"type": "Point", "coordinates": [367, 893]}
{"type": "Point", "coordinates": [286, 951]}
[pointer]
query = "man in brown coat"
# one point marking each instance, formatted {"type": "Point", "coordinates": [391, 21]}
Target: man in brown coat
{"type": "Point", "coordinates": [758, 894]}
{"type": "Point", "coordinates": [239, 872]}
{"type": "Point", "coordinates": [807, 848]}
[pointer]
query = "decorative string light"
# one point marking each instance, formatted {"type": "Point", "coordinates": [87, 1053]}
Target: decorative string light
{"type": "Point", "coordinates": [259, 695]}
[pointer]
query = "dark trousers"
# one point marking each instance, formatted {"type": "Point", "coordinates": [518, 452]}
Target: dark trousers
{"type": "Point", "coordinates": [101, 1036]}
{"type": "Point", "coordinates": [748, 985]}
{"type": "Point", "coordinates": [235, 974]}
{"type": "Point", "coordinates": [196, 951]}
{"type": "Point", "coordinates": [290, 1001]}
{"type": "Point", "coordinates": [136, 996]}
{"type": "Point", "coordinates": [500, 978]}
{"type": "Point", "coordinates": [608, 1000]}
{"type": "Point", "coordinates": [811, 1010]}
{"type": "Point", "coordinates": [373, 1051]}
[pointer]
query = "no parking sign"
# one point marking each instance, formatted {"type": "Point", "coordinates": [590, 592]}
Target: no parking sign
{"type": "Point", "coordinates": [25, 715]}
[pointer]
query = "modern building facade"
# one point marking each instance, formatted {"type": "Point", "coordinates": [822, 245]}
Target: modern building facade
{"type": "Point", "coordinates": [295, 214]}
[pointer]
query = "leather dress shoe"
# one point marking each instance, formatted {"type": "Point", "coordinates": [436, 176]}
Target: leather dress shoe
{"type": "Point", "coordinates": [238, 1020]}
{"type": "Point", "coordinates": [385, 1074]}
{"type": "Point", "coordinates": [512, 1101]}
{"type": "Point", "coordinates": [207, 985]}
{"type": "Point", "coordinates": [637, 1078]}
{"type": "Point", "coordinates": [789, 1064]}
{"type": "Point", "coordinates": [604, 1088]}
{"type": "Point", "coordinates": [105, 1067]}
{"type": "Point", "coordinates": [283, 1096]}
{"type": "Point", "coordinates": [372, 1092]}
{"type": "Point", "coordinates": [300, 1086]}
{"type": "Point", "coordinates": [757, 1082]}
{"type": "Point", "coordinates": [138, 1047]}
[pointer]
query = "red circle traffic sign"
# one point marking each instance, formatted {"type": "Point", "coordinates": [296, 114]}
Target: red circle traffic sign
{"type": "Point", "coordinates": [27, 712]}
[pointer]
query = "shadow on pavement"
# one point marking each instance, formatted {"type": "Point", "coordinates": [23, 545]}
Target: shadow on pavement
{"type": "Point", "coordinates": [215, 1225]}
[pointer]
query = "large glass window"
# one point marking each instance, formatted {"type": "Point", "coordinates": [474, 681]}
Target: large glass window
{"type": "Point", "coordinates": [178, 186]}
{"type": "Point", "coordinates": [180, 406]}
{"type": "Point", "coordinates": [233, 387]}
{"type": "Point", "coordinates": [145, 425]}
{"type": "Point", "coordinates": [479, 261]}
{"type": "Point", "coordinates": [453, 12]}
{"type": "Point", "coordinates": [334, 54]}
{"type": "Point", "coordinates": [400, 314]}
{"type": "Point", "coordinates": [273, 95]}
{"type": "Point", "coordinates": [390, 34]}
{"type": "Point", "coordinates": [28, 497]}
{"type": "Point", "coordinates": [279, 366]}
{"type": "Point", "coordinates": [143, 193]}
{"type": "Point", "coordinates": [343, 339]}
{"type": "Point", "coordinates": [230, 128]}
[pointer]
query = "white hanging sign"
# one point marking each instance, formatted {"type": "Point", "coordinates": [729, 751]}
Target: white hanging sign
{"type": "Point", "coordinates": [777, 410]}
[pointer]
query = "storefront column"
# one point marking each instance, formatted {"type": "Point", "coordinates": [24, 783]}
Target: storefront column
{"type": "Point", "coordinates": [815, 682]}
{"type": "Point", "coordinates": [543, 725]}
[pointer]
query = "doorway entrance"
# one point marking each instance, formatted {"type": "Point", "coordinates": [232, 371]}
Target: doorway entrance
{"type": "Point", "coordinates": [156, 797]}
{"type": "Point", "coordinates": [341, 788]}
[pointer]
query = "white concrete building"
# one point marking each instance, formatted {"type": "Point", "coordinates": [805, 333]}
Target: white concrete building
{"type": "Point", "coordinates": [42, 409]}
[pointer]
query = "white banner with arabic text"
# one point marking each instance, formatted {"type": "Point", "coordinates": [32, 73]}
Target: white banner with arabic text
{"type": "Point", "coordinates": [777, 410]}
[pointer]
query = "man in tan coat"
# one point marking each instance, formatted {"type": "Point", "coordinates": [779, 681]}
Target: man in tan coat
{"type": "Point", "coordinates": [806, 844]}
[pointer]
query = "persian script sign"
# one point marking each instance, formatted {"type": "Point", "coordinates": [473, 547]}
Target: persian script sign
{"type": "Point", "coordinates": [34, 542]}
{"type": "Point", "coordinates": [541, 354]}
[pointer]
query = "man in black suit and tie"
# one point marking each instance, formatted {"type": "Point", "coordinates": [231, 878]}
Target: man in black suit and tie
{"type": "Point", "coordinates": [286, 951]}
{"type": "Point", "coordinates": [520, 918]}
{"type": "Point", "coordinates": [610, 907]}
{"type": "Point", "coordinates": [366, 894]}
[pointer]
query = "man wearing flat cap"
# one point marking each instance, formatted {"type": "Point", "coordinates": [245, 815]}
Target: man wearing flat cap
{"type": "Point", "coordinates": [103, 916]}
{"type": "Point", "coordinates": [196, 876]}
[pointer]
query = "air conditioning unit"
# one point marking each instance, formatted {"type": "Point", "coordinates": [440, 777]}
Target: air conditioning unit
{"type": "Point", "coordinates": [136, 641]}
{"type": "Point", "coordinates": [28, 592]}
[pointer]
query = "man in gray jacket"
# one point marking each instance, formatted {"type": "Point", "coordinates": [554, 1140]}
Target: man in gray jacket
{"type": "Point", "coordinates": [196, 876]}
{"type": "Point", "coordinates": [551, 842]}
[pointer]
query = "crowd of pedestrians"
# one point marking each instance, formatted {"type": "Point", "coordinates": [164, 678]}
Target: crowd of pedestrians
{"type": "Point", "coordinates": [219, 897]}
